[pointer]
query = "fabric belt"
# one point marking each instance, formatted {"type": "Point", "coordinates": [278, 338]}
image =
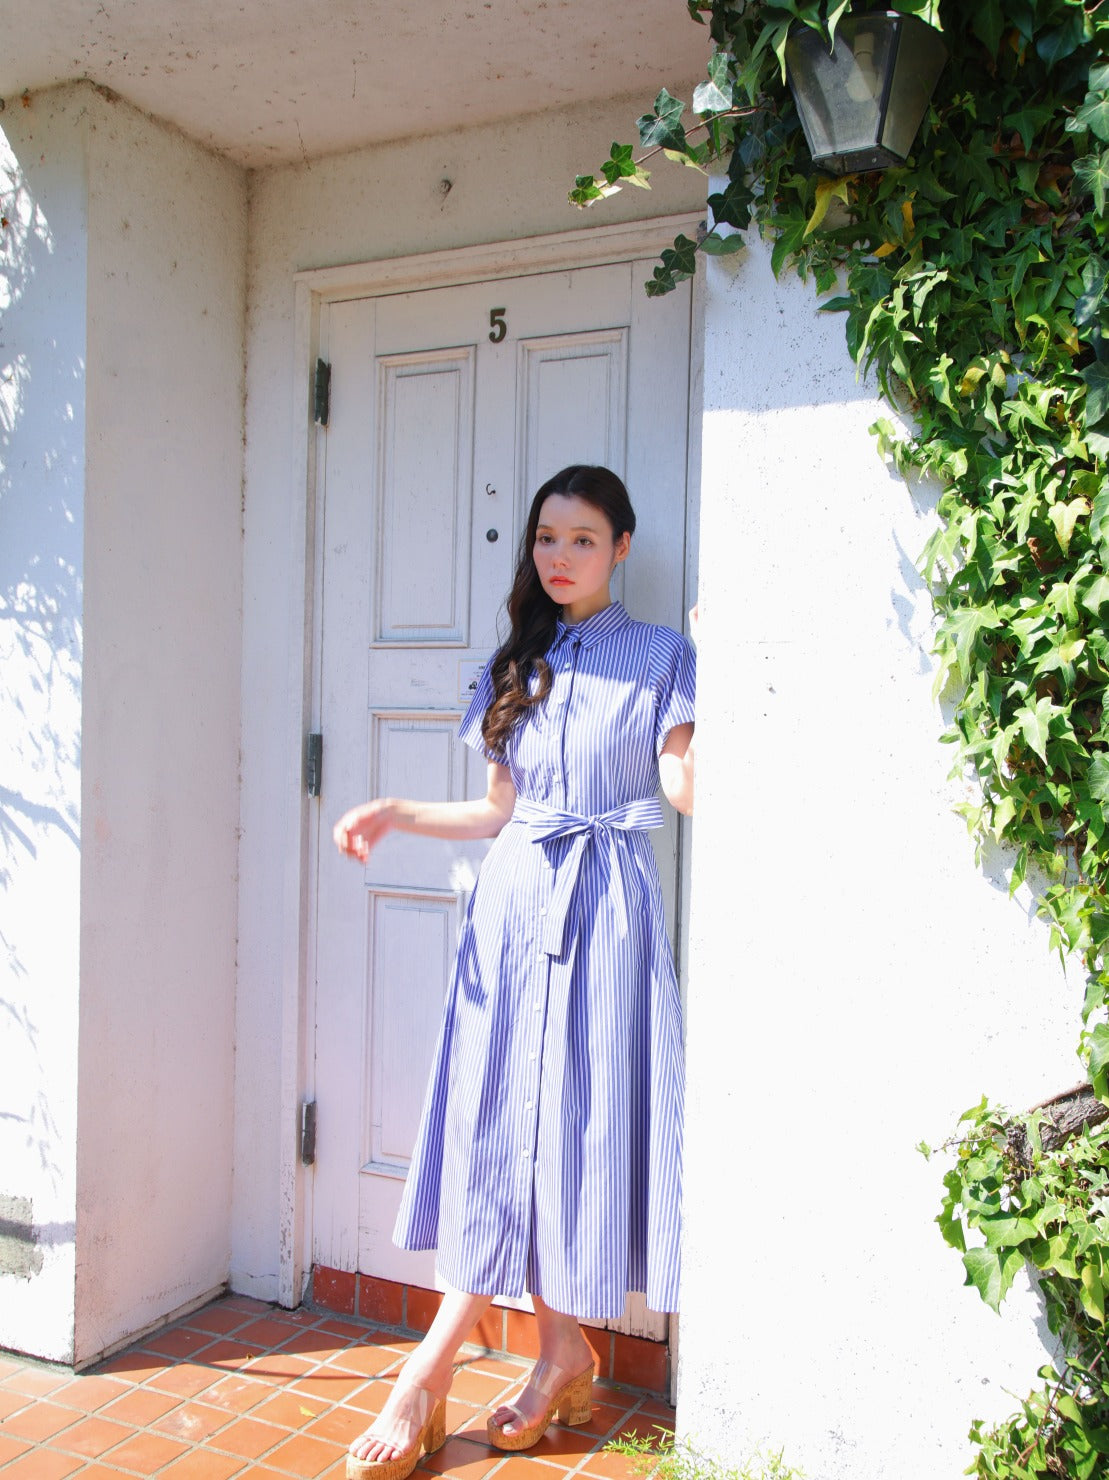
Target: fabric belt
{"type": "Point", "coordinates": [599, 832]}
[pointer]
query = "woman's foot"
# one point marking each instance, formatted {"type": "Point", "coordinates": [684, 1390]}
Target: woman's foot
{"type": "Point", "coordinates": [398, 1426]}
{"type": "Point", "coordinates": [526, 1418]}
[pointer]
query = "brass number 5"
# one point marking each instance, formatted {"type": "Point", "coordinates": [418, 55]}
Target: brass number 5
{"type": "Point", "coordinates": [498, 328]}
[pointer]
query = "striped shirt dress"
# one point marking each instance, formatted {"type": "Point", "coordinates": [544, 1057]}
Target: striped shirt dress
{"type": "Point", "coordinates": [549, 1152]}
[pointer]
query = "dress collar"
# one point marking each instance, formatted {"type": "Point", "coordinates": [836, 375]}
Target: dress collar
{"type": "Point", "coordinates": [596, 628]}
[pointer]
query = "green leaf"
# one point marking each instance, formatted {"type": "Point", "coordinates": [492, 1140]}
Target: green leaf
{"type": "Point", "coordinates": [986, 23]}
{"type": "Point", "coordinates": [1035, 724]}
{"type": "Point", "coordinates": [1099, 518]}
{"type": "Point", "coordinates": [663, 128]}
{"type": "Point", "coordinates": [585, 191]}
{"type": "Point", "coordinates": [1054, 45]}
{"type": "Point", "coordinates": [992, 1273]}
{"type": "Point", "coordinates": [1005, 1232]}
{"type": "Point", "coordinates": [1092, 1294]}
{"type": "Point", "coordinates": [1092, 173]}
{"type": "Point", "coordinates": [1094, 115]}
{"type": "Point", "coordinates": [1094, 284]}
{"type": "Point", "coordinates": [963, 628]}
{"type": "Point", "coordinates": [732, 206]}
{"type": "Point", "coordinates": [621, 167]}
{"type": "Point", "coordinates": [1064, 517]}
{"type": "Point", "coordinates": [1097, 778]}
{"type": "Point", "coordinates": [715, 95]}
{"type": "Point", "coordinates": [827, 190]}
{"type": "Point", "coordinates": [1096, 377]}
{"type": "Point", "coordinates": [1099, 1060]}
{"type": "Point", "coordinates": [715, 245]}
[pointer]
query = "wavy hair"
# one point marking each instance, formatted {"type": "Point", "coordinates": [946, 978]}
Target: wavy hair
{"type": "Point", "coordinates": [533, 616]}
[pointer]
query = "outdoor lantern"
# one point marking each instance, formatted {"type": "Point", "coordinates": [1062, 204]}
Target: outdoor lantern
{"type": "Point", "coordinates": [862, 102]}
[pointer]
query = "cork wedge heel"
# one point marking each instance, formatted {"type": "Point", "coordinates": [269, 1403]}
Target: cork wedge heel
{"type": "Point", "coordinates": [570, 1399]}
{"type": "Point", "coordinates": [432, 1435]}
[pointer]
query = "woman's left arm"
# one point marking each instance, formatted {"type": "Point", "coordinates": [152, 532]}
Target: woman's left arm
{"type": "Point", "coordinates": [675, 768]}
{"type": "Point", "coordinates": [675, 761]}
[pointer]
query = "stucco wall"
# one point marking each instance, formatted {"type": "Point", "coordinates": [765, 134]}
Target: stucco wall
{"type": "Point", "coordinates": [121, 509]}
{"type": "Point", "coordinates": [855, 981]}
{"type": "Point", "coordinates": [42, 432]}
{"type": "Point", "coordinates": [504, 183]}
{"type": "Point", "coordinates": [166, 311]}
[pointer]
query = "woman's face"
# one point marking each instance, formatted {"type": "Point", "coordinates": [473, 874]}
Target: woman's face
{"type": "Point", "coordinates": [575, 554]}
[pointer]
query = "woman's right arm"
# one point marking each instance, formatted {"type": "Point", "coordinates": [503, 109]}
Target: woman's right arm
{"type": "Point", "coordinates": [362, 828]}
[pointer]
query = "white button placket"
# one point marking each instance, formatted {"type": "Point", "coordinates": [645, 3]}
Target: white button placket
{"type": "Point", "coordinates": [534, 1001]}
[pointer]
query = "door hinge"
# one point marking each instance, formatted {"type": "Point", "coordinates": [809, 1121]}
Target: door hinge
{"type": "Point", "coordinates": [307, 1132]}
{"type": "Point", "coordinates": [313, 765]}
{"type": "Point", "coordinates": [321, 396]}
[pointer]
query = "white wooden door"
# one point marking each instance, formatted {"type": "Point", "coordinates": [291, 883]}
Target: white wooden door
{"type": "Point", "coordinates": [449, 407]}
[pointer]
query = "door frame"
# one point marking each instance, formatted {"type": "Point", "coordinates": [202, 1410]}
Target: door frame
{"type": "Point", "coordinates": [313, 289]}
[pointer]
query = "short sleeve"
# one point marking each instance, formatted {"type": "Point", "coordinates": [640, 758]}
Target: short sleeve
{"type": "Point", "coordinates": [674, 673]}
{"type": "Point", "coordinates": [470, 728]}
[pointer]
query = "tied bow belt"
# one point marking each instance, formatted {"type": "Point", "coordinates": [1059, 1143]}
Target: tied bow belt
{"type": "Point", "coordinates": [599, 833]}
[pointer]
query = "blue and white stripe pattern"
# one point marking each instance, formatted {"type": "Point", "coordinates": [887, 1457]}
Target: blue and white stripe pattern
{"type": "Point", "coordinates": [549, 1154]}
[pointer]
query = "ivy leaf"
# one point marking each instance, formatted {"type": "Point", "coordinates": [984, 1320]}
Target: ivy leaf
{"type": "Point", "coordinates": [962, 629]}
{"type": "Point", "coordinates": [663, 128]}
{"type": "Point", "coordinates": [827, 189]}
{"type": "Point", "coordinates": [986, 24]}
{"type": "Point", "coordinates": [1099, 518]}
{"type": "Point", "coordinates": [1088, 306]}
{"type": "Point", "coordinates": [1005, 1232]}
{"type": "Point", "coordinates": [1092, 1295]}
{"type": "Point", "coordinates": [675, 264]}
{"type": "Point", "coordinates": [1035, 724]}
{"type": "Point", "coordinates": [1063, 518]}
{"type": "Point", "coordinates": [715, 245]}
{"type": "Point", "coordinates": [1094, 115]}
{"type": "Point", "coordinates": [992, 1273]}
{"type": "Point", "coordinates": [717, 94]}
{"type": "Point", "coordinates": [1062, 41]}
{"type": "Point", "coordinates": [1095, 596]}
{"type": "Point", "coordinates": [621, 167]}
{"type": "Point", "coordinates": [1092, 173]}
{"type": "Point", "coordinates": [732, 206]}
{"type": "Point", "coordinates": [1099, 1061]}
{"type": "Point", "coordinates": [1096, 377]}
{"type": "Point", "coordinates": [585, 191]}
{"type": "Point", "coordinates": [1097, 778]}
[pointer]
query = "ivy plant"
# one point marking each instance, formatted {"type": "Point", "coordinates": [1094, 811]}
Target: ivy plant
{"type": "Point", "coordinates": [973, 284]}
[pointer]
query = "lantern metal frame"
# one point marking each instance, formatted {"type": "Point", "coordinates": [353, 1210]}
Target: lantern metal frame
{"type": "Point", "coordinates": [862, 100]}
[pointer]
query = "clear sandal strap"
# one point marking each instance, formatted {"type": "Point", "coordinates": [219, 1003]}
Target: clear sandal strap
{"type": "Point", "coordinates": [400, 1433]}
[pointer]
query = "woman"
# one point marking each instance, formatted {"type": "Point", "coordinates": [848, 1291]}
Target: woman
{"type": "Point", "coordinates": [549, 1153]}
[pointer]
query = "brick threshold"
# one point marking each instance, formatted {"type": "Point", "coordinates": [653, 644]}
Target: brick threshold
{"type": "Point", "coordinates": [632, 1361]}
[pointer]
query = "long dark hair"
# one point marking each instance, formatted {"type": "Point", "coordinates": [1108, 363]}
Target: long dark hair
{"type": "Point", "coordinates": [532, 615]}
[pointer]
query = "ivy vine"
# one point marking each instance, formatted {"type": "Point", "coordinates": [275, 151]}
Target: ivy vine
{"type": "Point", "coordinates": [973, 281]}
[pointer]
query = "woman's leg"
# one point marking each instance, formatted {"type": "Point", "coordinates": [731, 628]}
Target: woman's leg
{"type": "Point", "coordinates": [561, 1344]}
{"type": "Point", "coordinates": [429, 1366]}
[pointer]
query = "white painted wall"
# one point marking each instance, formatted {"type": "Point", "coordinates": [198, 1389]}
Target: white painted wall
{"type": "Point", "coordinates": [855, 981]}
{"type": "Point", "coordinates": [42, 489]}
{"type": "Point", "coordinates": [166, 311]}
{"type": "Point", "coordinates": [377, 203]}
{"type": "Point", "coordinates": [121, 355]}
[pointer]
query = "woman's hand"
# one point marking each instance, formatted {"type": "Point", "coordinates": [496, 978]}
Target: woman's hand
{"type": "Point", "coordinates": [694, 623]}
{"type": "Point", "coordinates": [362, 828]}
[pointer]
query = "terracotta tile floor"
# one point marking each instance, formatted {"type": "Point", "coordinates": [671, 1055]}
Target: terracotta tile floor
{"type": "Point", "coordinates": [244, 1391]}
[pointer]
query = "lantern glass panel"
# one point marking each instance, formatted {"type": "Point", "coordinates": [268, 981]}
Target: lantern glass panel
{"type": "Point", "coordinates": [839, 92]}
{"type": "Point", "coordinates": [918, 63]}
